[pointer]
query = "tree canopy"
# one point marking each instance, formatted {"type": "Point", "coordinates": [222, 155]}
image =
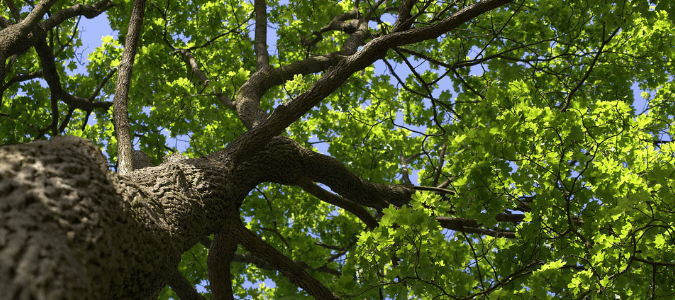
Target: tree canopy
{"type": "Point", "coordinates": [489, 149]}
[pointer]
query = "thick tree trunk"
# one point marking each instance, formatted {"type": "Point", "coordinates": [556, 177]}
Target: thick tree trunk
{"type": "Point", "coordinates": [72, 229]}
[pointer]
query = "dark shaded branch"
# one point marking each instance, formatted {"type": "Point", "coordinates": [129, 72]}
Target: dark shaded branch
{"type": "Point", "coordinates": [4, 23]}
{"type": "Point", "coordinates": [472, 226]}
{"type": "Point", "coordinates": [653, 263]}
{"type": "Point", "coordinates": [89, 11]}
{"type": "Point", "coordinates": [221, 253]}
{"type": "Point", "coordinates": [285, 161]}
{"type": "Point", "coordinates": [403, 21]}
{"type": "Point", "coordinates": [66, 120]}
{"type": "Point", "coordinates": [55, 113]}
{"type": "Point", "coordinates": [283, 264]}
{"type": "Point", "coordinates": [20, 78]}
{"type": "Point", "coordinates": [120, 112]}
{"type": "Point", "coordinates": [336, 200]}
{"type": "Point", "coordinates": [182, 287]}
{"type": "Point", "coordinates": [262, 57]}
{"type": "Point", "coordinates": [248, 258]}
{"type": "Point", "coordinates": [513, 218]}
{"type": "Point", "coordinates": [346, 22]}
{"type": "Point", "coordinates": [35, 15]}
{"type": "Point", "coordinates": [250, 93]}
{"type": "Point", "coordinates": [323, 269]}
{"type": "Point", "coordinates": [53, 79]}
{"type": "Point", "coordinates": [14, 10]}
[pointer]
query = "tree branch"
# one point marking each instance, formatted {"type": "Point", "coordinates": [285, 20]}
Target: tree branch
{"type": "Point", "coordinates": [250, 93]}
{"type": "Point", "coordinates": [89, 11]}
{"type": "Point", "coordinates": [263, 59]}
{"type": "Point", "coordinates": [285, 161]}
{"type": "Point", "coordinates": [403, 19]}
{"type": "Point", "coordinates": [336, 200]}
{"type": "Point", "coordinates": [20, 78]}
{"type": "Point", "coordinates": [283, 264]}
{"type": "Point", "coordinates": [120, 112]}
{"type": "Point", "coordinates": [53, 79]}
{"type": "Point", "coordinates": [254, 139]}
{"type": "Point", "coordinates": [221, 253]}
{"type": "Point", "coordinates": [14, 10]}
{"type": "Point", "coordinates": [471, 226]}
{"type": "Point", "coordinates": [35, 15]}
{"type": "Point", "coordinates": [182, 287]}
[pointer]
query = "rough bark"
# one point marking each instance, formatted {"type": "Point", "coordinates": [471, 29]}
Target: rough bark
{"type": "Point", "coordinates": [72, 229]}
{"type": "Point", "coordinates": [221, 254]}
{"type": "Point", "coordinates": [120, 112]}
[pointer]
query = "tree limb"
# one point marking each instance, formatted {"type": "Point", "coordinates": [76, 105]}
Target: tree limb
{"type": "Point", "coordinates": [336, 200]}
{"type": "Point", "coordinates": [221, 253]}
{"type": "Point", "coordinates": [89, 11]}
{"type": "Point", "coordinates": [285, 161]}
{"type": "Point", "coordinates": [35, 16]}
{"type": "Point", "coordinates": [262, 57]}
{"type": "Point", "coordinates": [120, 112]}
{"type": "Point", "coordinates": [472, 226]}
{"type": "Point", "coordinates": [285, 114]}
{"type": "Point", "coordinates": [14, 10]}
{"type": "Point", "coordinates": [182, 287]}
{"type": "Point", "coordinates": [283, 264]}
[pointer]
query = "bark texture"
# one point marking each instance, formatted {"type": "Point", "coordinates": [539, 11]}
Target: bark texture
{"type": "Point", "coordinates": [120, 112]}
{"type": "Point", "coordinates": [72, 229]}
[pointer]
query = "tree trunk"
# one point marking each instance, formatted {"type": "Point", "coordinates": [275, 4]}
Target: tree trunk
{"type": "Point", "coordinates": [72, 229]}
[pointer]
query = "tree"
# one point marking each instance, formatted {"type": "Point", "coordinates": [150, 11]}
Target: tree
{"type": "Point", "coordinates": [539, 175]}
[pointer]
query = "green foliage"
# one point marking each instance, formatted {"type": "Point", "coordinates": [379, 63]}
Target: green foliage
{"type": "Point", "coordinates": [526, 112]}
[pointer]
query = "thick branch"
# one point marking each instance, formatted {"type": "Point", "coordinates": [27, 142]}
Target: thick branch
{"type": "Point", "coordinates": [250, 93]}
{"type": "Point", "coordinates": [20, 78]}
{"type": "Point", "coordinates": [402, 21]}
{"type": "Point", "coordinates": [89, 11]}
{"type": "Point", "coordinates": [263, 59]}
{"type": "Point", "coordinates": [4, 22]}
{"type": "Point", "coordinates": [14, 10]}
{"type": "Point", "coordinates": [36, 15]}
{"type": "Point", "coordinates": [221, 253]}
{"type": "Point", "coordinates": [346, 22]}
{"type": "Point", "coordinates": [272, 256]}
{"type": "Point", "coordinates": [53, 79]}
{"type": "Point", "coordinates": [120, 112]}
{"type": "Point", "coordinates": [336, 200]}
{"type": "Point", "coordinates": [285, 161]}
{"type": "Point", "coordinates": [182, 287]}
